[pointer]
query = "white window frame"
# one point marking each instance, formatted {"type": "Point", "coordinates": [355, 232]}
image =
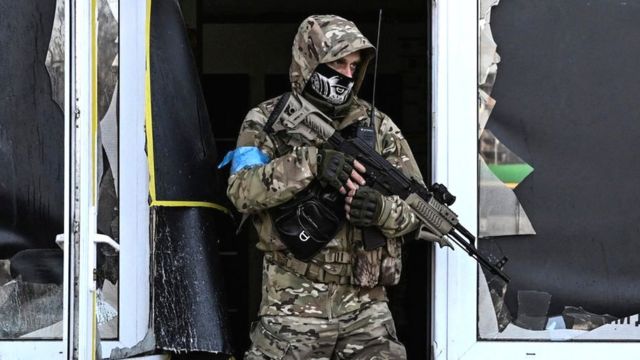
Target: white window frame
{"type": "Point", "coordinates": [456, 162]}
{"type": "Point", "coordinates": [134, 281]}
{"type": "Point", "coordinates": [133, 284]}
{"type": "Point", "coordinates": [55, 349]}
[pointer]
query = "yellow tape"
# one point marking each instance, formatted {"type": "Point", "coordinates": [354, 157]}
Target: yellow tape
{"type": "Point", "coordinates": [149, 132]}
{"type": "Point", "coordinates": [147, 106]}
{"type": "Point", "coordinates": [172, 203]}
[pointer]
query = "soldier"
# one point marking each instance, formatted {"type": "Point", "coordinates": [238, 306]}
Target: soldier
{"type": "Point", "coordinates": [334, 304]}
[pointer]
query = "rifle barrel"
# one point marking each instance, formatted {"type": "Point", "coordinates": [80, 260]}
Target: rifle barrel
{"type": "Point", "coordinates": [471, 250]}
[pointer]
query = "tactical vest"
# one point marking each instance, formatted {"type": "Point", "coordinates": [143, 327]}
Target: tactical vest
{"type": "Point", "coordinates": [339, 256]}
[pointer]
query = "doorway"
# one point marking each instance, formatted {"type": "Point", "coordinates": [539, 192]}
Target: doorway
{"type": "Point", "coordinates": [243, 51]}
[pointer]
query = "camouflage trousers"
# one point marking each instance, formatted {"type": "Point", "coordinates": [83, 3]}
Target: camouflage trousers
{"type": "Point", "coordinates": [365, 334]}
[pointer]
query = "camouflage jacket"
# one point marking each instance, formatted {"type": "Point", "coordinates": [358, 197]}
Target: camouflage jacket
{"type": "Point", "coordinates": [256, 189]}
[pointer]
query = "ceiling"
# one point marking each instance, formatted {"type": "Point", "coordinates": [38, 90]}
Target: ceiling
{"type": "Point", "coordinates": [282, 11]}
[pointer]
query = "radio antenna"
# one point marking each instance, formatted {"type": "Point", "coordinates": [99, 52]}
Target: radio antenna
{"type": "Point", "coordinates": [375, 72]}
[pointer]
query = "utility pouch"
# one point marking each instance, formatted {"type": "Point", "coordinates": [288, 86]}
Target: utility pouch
{"type": "Point", "coordinates": [381, 266]}
{"type": "Point", "coordinates": [309, 221]}
{"type": "Point", "coordinates": [372, 238]}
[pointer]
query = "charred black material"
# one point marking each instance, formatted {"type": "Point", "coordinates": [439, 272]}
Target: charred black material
{"type": "Point", "coordinates": [188, 314]}
{"type": "Point", "coordinates": [41, 266]}
{"type": "Point", "coordinates": [567, 105]}
{"type": "Point", "coordinates": [31, 131]}
{"type": "Point", "coordinates": [182, 138]}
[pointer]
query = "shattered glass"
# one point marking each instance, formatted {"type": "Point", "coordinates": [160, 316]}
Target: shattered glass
{"type": "Point", "coordinates": [505, 164]}
{"type": "Point", "coordinates": [486, 104]}
{"type": "Point", "coordinates": [31, 280]}
{"type": "Point", "coordinates": [484, 10]}
{"type": "Point", "coordinates": [500, 213]}
{"type": "Point", "coordinates": [55, 56]}
{"type": "Point", "coordinates": [627, 328]}
{"type": "Point", "coordinates": [488, 58]}
{"type": "Point", "coordinates": [108, 168]}
{"type": "Point", "coordinates": [533, 307]}
{"type": "Point", "coordinates": [579, 319]}
{"type": "Point", "coordinates": [501, 170]}
{"type": "Point", "coordinates": [533, 322]}
{"type": "Point", "coordinates": [31, 289]}
{"type": "Point", "coordinates": [30, 310]}
{"type": "Point", "coordinates": [494, 314]}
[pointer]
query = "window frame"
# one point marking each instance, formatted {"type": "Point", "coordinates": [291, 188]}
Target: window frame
{"type": "Point", "coordinates": [134, 281]}
{"type": "Point", "coordinates": [57, 348]}
{"type": "Point", "coordinates": [456, 164]}
{"type": "Point", "coordinates": [79, 190]}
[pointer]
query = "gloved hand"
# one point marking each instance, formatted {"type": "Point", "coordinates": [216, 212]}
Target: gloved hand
{"type": "Point", "coordinates": [339, 170]}
{"type": "Point", "coordinates": [364, 207]}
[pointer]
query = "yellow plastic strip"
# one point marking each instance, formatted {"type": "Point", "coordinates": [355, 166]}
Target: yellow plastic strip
{"type": "Point", "coordinates": [172, 203]}
{"type": "Point", "coordinates": [147, 108]}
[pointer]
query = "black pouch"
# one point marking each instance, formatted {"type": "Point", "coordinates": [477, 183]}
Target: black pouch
{"type": "Point", "coordinates": [310, 220]}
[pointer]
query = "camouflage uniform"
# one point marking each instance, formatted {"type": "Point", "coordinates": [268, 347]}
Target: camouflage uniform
{"type": "Point", "coordinates": [333, 306]}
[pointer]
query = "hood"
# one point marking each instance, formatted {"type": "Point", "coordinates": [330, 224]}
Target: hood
{"type": "Point", "coordinates": [322, 39]}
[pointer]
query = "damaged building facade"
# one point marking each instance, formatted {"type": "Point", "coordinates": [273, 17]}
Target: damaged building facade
{"type": "Point", "coordinates": [116, 243]}
{"type": "Point", "coordinates": [549, 179]}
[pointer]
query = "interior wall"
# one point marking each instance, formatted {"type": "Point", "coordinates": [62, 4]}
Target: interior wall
{"type": "Point", "coordinates": [233, 49]}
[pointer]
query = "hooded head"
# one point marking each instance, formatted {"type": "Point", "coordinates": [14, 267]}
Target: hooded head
{"type": "Point", "coordinates": [322, 39]}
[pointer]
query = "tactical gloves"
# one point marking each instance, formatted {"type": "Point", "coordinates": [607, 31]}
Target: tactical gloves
{"type": "Point", "coordinates": [334, 169]}
{"type": "Point", "coordinates": [366, 207]}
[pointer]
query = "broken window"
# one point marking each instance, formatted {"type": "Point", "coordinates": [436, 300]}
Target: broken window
{"type": "Point", "coordinates": [32, 144]}
{"type": "Point", "coordinates": [31, 169]}
{"type": "Point", "coordinates": [108, 168]}
{"type": "Point", "coordinates": [557, 190]}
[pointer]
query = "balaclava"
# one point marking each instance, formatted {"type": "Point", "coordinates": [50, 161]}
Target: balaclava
{"type": "Point", "coordinates": [322, 39]}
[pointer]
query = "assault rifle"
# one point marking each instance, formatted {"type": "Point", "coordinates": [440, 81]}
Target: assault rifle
{"type": "Point", "coordinates": [295, 115]}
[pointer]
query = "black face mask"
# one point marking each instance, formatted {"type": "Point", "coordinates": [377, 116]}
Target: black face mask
{"type": "Point", "coordinates": [328, 84]}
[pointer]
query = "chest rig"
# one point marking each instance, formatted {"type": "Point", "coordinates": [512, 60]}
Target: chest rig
{"type": "Point", "coordinates": [307, 223]}
{"type": "Point", "coordinates": [314, 216]}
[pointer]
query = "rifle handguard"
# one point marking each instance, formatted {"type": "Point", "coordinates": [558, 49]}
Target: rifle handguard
{"type": "Point", "coordinates": [437, 220]}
